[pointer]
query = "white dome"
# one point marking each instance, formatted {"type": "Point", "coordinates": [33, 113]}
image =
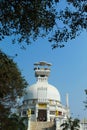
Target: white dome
{"type": "Point", "coordinates": [42, 90]}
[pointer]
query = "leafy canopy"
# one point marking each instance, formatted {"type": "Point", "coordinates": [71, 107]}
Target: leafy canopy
{"type": "Point", "coordinates": [30, 19]}
{"type": "Point", "coordinates": [12, 85]}
{"type": "Point", "coordinates": [71, 124]}
{"type": "Point", "coordinates": [14, 122]}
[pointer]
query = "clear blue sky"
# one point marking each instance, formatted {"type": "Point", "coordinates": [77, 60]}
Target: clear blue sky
{"type": "Point", "coordinates": [68, 71]}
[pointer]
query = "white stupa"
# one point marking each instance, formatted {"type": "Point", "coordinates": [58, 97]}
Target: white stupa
{"type": "Point", "coordinates": [42, 98]}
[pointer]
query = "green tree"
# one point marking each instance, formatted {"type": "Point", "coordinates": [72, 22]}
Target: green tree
{"type": "Point", "coordinates": [85, 102]}
{"type": "Point", "coordinates": [71, 124]}
{"type": "Point", "coordinates": [30, 19]}
{"type": "Point", "coordinates": [18, 123]}
{"type": "Point", "coordinates": [14, 122]}
{"type": "Point", "coordinates": [12, 84]}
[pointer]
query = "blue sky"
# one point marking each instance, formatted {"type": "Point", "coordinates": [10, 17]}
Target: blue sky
{"type": "Point", "coordinates": [68, 71]}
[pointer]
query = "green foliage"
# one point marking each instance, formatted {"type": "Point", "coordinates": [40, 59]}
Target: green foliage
{"type": "Point", "coordinates": [85, 102]}
{"type": "Point", "coordinates": [71, 124]}
{"type": "Point", "coordinates": [26, 17]}
{"type": "Point", "coordinates": [12, 84]}
{"type": "Point", "coordinates": [14, 122]}
{"type": "Point", "coordinates": [18, 123]}
{"type": "Point", "coordinates": [30, 19]}
{"type": "Point", "coordinates": [11, 81]}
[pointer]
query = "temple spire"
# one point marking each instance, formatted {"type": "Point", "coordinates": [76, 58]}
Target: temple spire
{"type": "Point", "coordinates": [67, 100]}
{"type": "Point", "coordinates": [42, 70]}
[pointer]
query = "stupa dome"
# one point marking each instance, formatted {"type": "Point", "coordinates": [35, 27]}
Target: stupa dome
{"type": "Point", "coordinates": [42, 90]}
{"type": "Point", "coordinates": [42, 100]}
